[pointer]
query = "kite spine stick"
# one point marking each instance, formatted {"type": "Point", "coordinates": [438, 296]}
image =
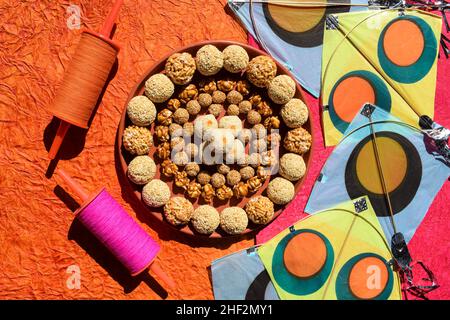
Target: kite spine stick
{"type": "Point", "coordinates": [381, 173]}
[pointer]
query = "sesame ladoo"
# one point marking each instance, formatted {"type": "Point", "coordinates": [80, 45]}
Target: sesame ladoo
{"type": "Point", "coordinates": [280, 191]}
{"type": "Point", "coordinates": [233, 220]}
{"type": "Point", "coordinates": [235, 59]}
{"type": "Point", "coordinates": [205, 219]}
{"type": "Point", "coordinates": [281, 89]}
{"type": "Point", "coordinates": [141, 111]}
{"type": "Point", "coordinates": [292, 166]}
{"type": "Point", "coordinates": [294, 113]}
{"type": "Point", "coordinates": [209, 60]}
{"type": "Point", "coordinates": [141, 170]}
{"type": "Point", "coordinates": [156, 193]}
{"type": "Point", "coordinates": [159, 88]}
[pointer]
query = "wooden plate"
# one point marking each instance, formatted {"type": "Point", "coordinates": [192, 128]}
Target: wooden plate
{"type": "Point", "coordinates": [125, 157]}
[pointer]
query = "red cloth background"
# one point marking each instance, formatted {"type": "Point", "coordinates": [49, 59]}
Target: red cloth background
{"type": "Point", "coordinates": [431, 243]}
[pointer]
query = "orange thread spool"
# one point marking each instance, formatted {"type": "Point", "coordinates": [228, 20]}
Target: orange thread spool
{"type": "Point", "coordinates": [84, 80]}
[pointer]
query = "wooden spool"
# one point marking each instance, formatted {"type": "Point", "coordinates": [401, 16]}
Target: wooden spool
{"type": "Point", "coordinates": [84, 80]}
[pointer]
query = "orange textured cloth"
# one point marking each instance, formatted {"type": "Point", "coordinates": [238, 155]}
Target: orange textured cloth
{"type": "Point", "coordinates": [38, 239]}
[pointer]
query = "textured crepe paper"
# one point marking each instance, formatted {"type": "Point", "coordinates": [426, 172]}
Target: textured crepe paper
{"type": "Point", "coordinates": [37, 239]}
{"type": "Point", "coordinates": [345, 235]}
{"type": "Point", "coordinates": [430, 242]}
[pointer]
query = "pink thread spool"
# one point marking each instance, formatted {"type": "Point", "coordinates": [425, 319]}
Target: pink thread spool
{"type": "Point", "coordinates": [112, 225]}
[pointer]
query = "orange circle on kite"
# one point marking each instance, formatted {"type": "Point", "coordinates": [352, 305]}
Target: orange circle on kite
{"type": "Point", "coordinates": [368, 278]}
{"type": "Point", "coordinates": [393, 160]}
{"type": "Point", "coordinates": [304, 255]}
{"type": "Point", "coordinates": [403, 43]}
{"type": "Point", "coordinates": [350, 95]}
{"type": "Point", "coordinates": [287, 17]}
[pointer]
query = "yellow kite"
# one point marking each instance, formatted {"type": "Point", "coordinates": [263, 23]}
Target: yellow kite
{"type": "Point", "coordinates": [383, 57]}
{"type": "Point", "coordinates": [339, 253]}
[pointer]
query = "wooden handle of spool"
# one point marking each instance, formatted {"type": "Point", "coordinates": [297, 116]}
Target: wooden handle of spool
{"type": "Point", "coordinates": [73, 185]}
{"type": "Point", "coordinates": [111, 19]}
{"type": "Point", "coordinates": [156, 269]}
{"type": "Point", "coordinates": [106, 33]}
{"type": "Point", "coordinates": [60, 134]}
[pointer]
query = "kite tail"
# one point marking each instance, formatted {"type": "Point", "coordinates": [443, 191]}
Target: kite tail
{"type": "Point", "coordinates": [405, 266]}
{"type": "Point", "coordinates": [438, 135]}
{"type": "Point", "coordinates": [409, 287]}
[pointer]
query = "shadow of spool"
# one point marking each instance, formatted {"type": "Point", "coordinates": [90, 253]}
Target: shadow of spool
{"type": "Point", "coordinates": [75, 138]}
{"type": "Point", "coordinates": [165, 231]}
{"type": "Point", "coordinates": [97, 251]}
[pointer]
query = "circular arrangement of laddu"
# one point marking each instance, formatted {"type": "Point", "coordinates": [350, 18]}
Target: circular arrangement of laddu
{"type": "Point", "coordinates": [205, 128]}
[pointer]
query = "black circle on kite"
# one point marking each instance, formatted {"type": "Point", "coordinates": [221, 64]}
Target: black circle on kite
{"type": "Point", "coordinates": [402, 171]}
{"type": "Point", "coordinates": [302, 261]}
{"type": "Point", "coordinates": [366, 276]}
{"type": "Point", "coordinates": [407, 49]}
{"type": "Point", "coordinates": [306, 31]}
{"type": "Point", "coordinates": [257, 289]}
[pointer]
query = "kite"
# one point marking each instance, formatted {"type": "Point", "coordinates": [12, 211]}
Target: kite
{"type": "Point", "coordinates": [241, 276]}
{"type": "Point", "coordinates": [442, 7]}
{"type": "Point", "coordinates": [339, 253]}
{"type": "Point", "coordinates": [399, 167]}
{"type": "Point", "coordinates": [292, 31]}
{"type": "Point", "coordinates": [383, 57]}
